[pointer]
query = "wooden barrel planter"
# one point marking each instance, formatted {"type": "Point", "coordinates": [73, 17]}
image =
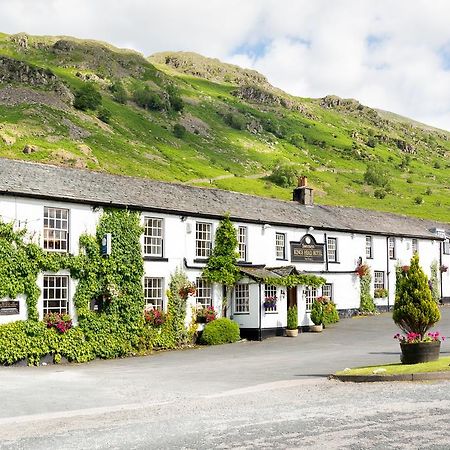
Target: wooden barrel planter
{"type": "Point", "coordinates": [420, 352]}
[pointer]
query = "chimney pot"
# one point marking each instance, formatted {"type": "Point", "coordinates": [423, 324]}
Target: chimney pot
{"type": "Point", "coordinates": [302, 181]}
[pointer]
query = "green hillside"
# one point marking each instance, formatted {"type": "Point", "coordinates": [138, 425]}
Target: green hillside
{"type": "Point", "coordinates": [182, 117]}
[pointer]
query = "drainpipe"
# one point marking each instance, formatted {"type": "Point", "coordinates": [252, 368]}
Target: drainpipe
{"type": "Point", "coordinates": [260, 313]}
{"type": "Point", "coordinates": [326, 251]}
{"type": "Point", "coordinates": [387, 271]}
{"type": "Point", "coordinates": [441, 251]}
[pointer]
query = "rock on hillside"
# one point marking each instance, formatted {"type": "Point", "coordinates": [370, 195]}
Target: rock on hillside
{"type": "Point", "coordinates": [209, 68]}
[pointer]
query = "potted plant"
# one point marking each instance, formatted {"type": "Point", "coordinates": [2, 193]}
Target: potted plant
{"type": "Point", "coordinates": [316, 316]}
{"type": "Point", "coordinates": [415, 313]}
{"type": "Point", "coordinates": [292, 322]}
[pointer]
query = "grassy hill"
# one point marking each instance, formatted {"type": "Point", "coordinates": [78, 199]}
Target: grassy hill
{"type": "Point", "coordinates": [182, 117]}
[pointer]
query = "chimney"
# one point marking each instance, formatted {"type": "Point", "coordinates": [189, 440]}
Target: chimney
{"type": "Point", "coordinates": [302, 193]}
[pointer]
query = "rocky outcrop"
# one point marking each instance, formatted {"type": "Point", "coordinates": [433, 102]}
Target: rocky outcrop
{"type": "Point", "coordinates": [14, 71]}
{"type": "Point", "coordinates": [20, 39]}
{"type": "Point", "coordinates": [405, 147]}
{"type": "Point", "coordinates": [209, 68]}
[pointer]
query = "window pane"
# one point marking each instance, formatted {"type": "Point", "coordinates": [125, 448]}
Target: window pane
{"type": "Point", "coordinates": [241, 297]}
{"type": "Point", "coordinates": [56, 227]}
{"type": "Point", "coordinates": [242, 243]}
{"type": "Point", "coordinates": [332, 249]}
{"type": "Point", "coordinates": [310, 296]}
{"type": "Point", "coordinates": [153, 236]}
{"type": "Point", "coordinates": [55, 294]}
{"type": "Point", "coordinates": [203, 240]}
{"type": "Point", "coordinates": [280, 245]}
{"type": "Point", "coordinates": [153, 292]}
{"type": "Point", "coordinates": [203, 293]}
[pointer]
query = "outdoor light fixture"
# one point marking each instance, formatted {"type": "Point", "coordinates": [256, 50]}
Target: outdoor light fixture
{"type": "Point", "coordinates": [310, 229]}
{"type": "Point", "coordinates": [282, 294]}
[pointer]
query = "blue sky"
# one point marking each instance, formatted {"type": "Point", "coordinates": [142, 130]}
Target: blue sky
{"type": "Point", "coordinates": [393, 55]}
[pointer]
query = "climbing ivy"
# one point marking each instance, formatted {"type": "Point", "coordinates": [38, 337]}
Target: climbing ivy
{"type": "Point", "coordinates": [114, 281]}
{"type": "Point", "coordinates": [434, 281]}
{"type": "Point", "coordinates": [367, 305]}
{"type": "Point", "coordinates": [296, 280]}
{"type": "Point", "coordinates": [222, 264]}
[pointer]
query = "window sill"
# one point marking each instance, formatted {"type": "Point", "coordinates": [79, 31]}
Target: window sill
{"type": "Point", "coordinates": [155, 258]}
{"type": "Point", "coordinates": [244, 263]}
{"type": "Point", "coordinates": [241, 314]}
{"type": "Point", "coordinates": [282, 259]}
{"type": "Point", "coordinates": [333, 262]}
{"type": "Point", "coordinates": [201, 260]}
{"type": "Point", "coordinates": [270, 312]}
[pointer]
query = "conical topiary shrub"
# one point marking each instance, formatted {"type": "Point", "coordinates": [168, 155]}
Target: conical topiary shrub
{"type": "Point", "coordinates": [415, 311]}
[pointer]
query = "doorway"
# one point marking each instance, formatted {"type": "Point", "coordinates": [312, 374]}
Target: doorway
{"type": "Point", "coordinates": [292, 296]}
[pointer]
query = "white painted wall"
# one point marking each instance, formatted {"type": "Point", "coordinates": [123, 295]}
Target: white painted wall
{"type": "Point", "coordinates": [179, 243]}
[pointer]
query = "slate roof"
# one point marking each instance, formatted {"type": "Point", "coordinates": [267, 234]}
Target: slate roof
{"type": "Point", "coordinates": [96, 188]}
{"type": "Point", "coordinates": [258, 273]}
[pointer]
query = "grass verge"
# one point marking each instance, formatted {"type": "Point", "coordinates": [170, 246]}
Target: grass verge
{"type": "Point", "coordinates": [441, 365]}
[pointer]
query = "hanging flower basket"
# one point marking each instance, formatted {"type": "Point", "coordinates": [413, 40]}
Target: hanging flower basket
{"type": "Point", "coordinates": [443, 268]}
{"type": "Point", "coordinates": [270, 303]}
{"type": "Point", "coordinates": [362, 269]}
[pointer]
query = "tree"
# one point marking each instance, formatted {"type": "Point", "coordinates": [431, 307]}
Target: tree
{"type": "Point", "coordinates": [176, 102]}
{"type": "Point", "coordinates": [284, 176]}
{"type": "Point", "coordinates": [376, 175]}
{"type": "Point", "coordinates": [119, 92]}
{"type": "Point", "coordinates": [87, 97]}
{"type": "Point", "coordinates": [104, 115]}
{"type": "Point", "coordinates": [222, 264]}
{"type": "Point", "coordinates": [415, 311]}
{"type": "Point", "coordinates": [179, 131]}
{"type": "Point", "coordinates": [145, 98]}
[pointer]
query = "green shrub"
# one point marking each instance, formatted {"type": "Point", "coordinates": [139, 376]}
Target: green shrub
{"type": "Point", "coordinates": [376, 175]}
{"type": "Point", "coordinates": [119, 92]}
{"type": "Point", "coordinates": [284, 176]}
{"type": "Point", "coordinates": [292, 318]}
{"type": "Point", "coordinates": [179, 131]}
{"type": "Point", "coordinates": [175, 101]}
{"type": "Point", "coordinates": [317, 313]}
{"type": "Point", "coordinates": [235, 121]}
{"type": "Point", "coordinates": [220, 331]}
{"type": "Point", "coordinates": [418, 200]}
{"type": "Point", "coordinates": [87, 97]}
{"type": "Point", "coordinates": [379, 193]}
{"type": "Point", "coordinates": [414, 308]}
{"type": "Point", "coordinates": [145, 98]}
{"type": "Point", "coordinates": [330, 313]}
{"type": "Point", "coordinates": [104, 115]}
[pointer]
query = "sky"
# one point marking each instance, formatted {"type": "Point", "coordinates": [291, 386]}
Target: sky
{"type": "Point", "coordinates": [388, 54]}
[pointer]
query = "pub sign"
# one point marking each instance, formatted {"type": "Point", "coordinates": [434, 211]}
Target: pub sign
{"type": "Point", "coordinates": [307, 250]}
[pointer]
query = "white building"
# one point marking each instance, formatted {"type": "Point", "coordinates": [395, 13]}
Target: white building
{"type": "Point", "coordinates": [57, 205]}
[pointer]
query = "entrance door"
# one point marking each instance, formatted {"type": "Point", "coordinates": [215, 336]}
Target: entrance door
{"type": "Point", "coordinates": [292, 296]}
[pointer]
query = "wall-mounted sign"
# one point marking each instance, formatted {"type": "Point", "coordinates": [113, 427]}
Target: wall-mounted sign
{"type": "Point", "coordinates": [9, 307]}
{"type": "Point", "coordinates": [106, 244]}
{"type": "Point", "coordinates": [307, 250]}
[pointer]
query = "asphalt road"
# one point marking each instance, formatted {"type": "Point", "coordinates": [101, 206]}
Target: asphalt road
{"type": "Point", "coordinates": [270, 394]}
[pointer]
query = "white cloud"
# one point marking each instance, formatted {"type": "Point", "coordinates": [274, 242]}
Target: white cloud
{"type": "Point", "coordinates": [387, 54]}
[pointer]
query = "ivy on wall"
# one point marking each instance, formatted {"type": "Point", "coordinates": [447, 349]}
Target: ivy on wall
{"type": "Point", "coordinates": [434, 282]}
{"type": "Point", "coordinates": [296, 280]}
{"type": "Point", "coordinates": [367, 304]}
{"type": "Point", "coordinates": [114, 282]}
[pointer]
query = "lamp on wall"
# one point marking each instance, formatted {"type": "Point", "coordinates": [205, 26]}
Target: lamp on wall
{"type": "Point", "coordinates": [282, 294]}
{"type": "Point", "coordinates": [310, 229]}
